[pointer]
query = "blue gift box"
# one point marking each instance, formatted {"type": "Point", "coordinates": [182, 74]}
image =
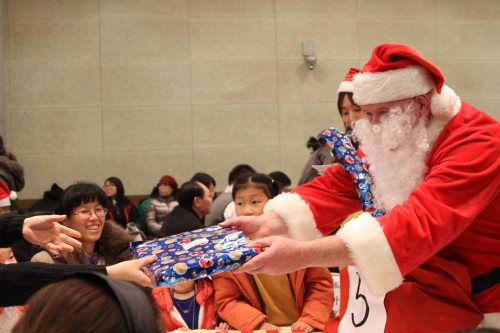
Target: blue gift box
{"type": "Point", "coordinates": [194, 254]}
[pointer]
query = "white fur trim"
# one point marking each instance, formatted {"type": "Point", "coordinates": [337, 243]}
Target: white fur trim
{"type": "Point", "coordinates": [346, 86]}
{"type": "Point", "coordinates": [392, 85]}
{"type": "Point", "coordinates": [491, 320]}
{"type": "Point", "coordinates": [371, 254]}
{"type": "Point", "coordinates": [445, 105]}
{"type": "Point", "coordinates": [297, 215]}
{"type": "Point", "coordinates": [5, 202]}
{"type": "Point", "coordinates": [13, 195]}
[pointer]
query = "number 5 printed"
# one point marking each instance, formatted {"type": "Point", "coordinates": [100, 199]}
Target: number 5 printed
{"type": "Point", "coordinates": [365, 312]}
{"type": "Point", "coordinates": [363, 298]}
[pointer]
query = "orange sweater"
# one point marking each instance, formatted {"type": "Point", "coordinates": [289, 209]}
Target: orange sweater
{"type": "Point", "coordinates": [237, 301]}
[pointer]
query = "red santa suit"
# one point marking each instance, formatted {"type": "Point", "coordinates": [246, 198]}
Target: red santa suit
{"type": "Point", "coordinates": [435, 257]}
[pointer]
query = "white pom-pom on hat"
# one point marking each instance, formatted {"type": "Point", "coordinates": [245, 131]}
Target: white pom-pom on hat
{"type": "Point", "coordinates": [13, 195]}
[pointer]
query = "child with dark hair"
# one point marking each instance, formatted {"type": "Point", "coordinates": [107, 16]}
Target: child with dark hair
{"type": "Point", "coordinates": [284, 182]}
{"type": "Point", "coordinates": [222, 207]}
{"type": "Point", "coordinates": [320, 155]}
{"type": "Point", "coordinates": [103, 242]}
{"type": "Point", "coordinates": [301, 299]}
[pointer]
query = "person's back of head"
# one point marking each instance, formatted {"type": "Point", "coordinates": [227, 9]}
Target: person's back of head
{"type": "Point", "coordinates": [81, 192]}
{"type": "Point", "coordinates": [90, 302]}
{"type": "Point", "coordinates": [54, 193]}
{"type": "Point", "coordinates": [315, 142]}
{"type": "Point", "coordinates": [282, 180]}
{"type": "Point", "coordinates": [187, 192]}
{"type": "Point", "coordinates": [206, 180]}
{"type": "Point", "coordinates": [239, 171]}
{"type": "Point", "coordinates": [49, 202]}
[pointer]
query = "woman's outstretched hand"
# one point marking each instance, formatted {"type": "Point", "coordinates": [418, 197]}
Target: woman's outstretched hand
{"type": "Point", "coordinates": [46, 231]}
{"type": "Point", "coordinates": [131, 270]}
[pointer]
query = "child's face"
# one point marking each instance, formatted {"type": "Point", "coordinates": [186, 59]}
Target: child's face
{"type": "Point", "coordinates": [250, 201]}
{"type": "Point", "coordinates": [7, 256]}
{"type": "Point", "coordinates": [183, 288]}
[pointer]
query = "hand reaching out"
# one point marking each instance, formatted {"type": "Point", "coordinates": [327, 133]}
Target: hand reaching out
{"type": "Point", "coordinates": [282, 255]}
{"type": "Point", "coordinates": [131, 270]}
{"type": "Point", "coordinates": [255, 227]}
{"type": "Point", "coordinates": [45, 230]}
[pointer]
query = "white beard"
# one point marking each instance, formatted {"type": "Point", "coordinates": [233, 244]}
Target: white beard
{"type": "Point", "coordinates": [396, 149]}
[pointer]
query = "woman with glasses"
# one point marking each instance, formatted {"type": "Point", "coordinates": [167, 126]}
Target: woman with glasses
{"type": "Point", "coordinates": [103, 242]}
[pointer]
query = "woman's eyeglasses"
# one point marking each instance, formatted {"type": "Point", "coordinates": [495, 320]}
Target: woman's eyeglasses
{"type": "Point", "coordinates": [85, 214]}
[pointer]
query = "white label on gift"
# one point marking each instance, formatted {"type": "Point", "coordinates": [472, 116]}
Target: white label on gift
{"type": "Point", "coordinates": [365, 312]}
{"type": "Point", "coordinates": [196, 242]}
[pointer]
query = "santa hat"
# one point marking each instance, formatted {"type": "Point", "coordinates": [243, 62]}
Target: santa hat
{"type": "Point", "coordinates": [395, 72]}
{"type": "Point", "coordinates": [347, 85]}
{"type": "Point", "coordinates": [4, 195]}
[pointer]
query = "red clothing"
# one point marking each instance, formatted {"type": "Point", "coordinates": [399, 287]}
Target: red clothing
{"type": "Point", "coordinates": [204, 297]}
{"type": "Point", "coordinates": [428, 249]}
{"type": "Point", "coordinates": [238, 304]}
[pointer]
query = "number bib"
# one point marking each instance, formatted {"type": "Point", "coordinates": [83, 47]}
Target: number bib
{"type": "Point", "coordinates": [365, 312]}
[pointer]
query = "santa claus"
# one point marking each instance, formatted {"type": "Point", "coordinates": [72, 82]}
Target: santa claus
{"type": "Point", "coordinates": [432, 262]}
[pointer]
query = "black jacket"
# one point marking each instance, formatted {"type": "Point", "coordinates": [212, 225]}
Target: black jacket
{"type": "Point", "coordinates": [181, 219]}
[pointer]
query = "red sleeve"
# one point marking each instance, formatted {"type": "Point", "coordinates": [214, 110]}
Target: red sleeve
{"type": "Point", "coordinates": [331, 197]}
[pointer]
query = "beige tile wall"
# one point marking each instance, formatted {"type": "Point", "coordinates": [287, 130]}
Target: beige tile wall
{"type": "Point", "coordinates": [137, 89]}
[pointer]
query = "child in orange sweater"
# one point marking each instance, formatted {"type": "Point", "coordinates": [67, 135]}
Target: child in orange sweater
{"type": "Point", "coordinates": [301, 299]}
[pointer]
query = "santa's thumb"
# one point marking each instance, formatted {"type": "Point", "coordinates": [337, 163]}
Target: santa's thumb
{"type": "Point", "coordinates": [261, 242]}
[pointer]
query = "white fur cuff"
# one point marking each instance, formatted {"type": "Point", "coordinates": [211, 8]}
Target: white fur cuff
{"type": "Point", "coordinates": [371, 254]}
{"type": "Point", "coordinates": [296, 214]}
{"type": "Point", "coordinates": [491, 320]}
{"type": "Point", "coordinates": [392, 85]}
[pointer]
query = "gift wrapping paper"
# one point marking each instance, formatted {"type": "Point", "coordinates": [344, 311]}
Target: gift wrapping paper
{"type": "Point", "coordinates": [343, 150]}
{"type": "Point", "coordinates": [194, 254]}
